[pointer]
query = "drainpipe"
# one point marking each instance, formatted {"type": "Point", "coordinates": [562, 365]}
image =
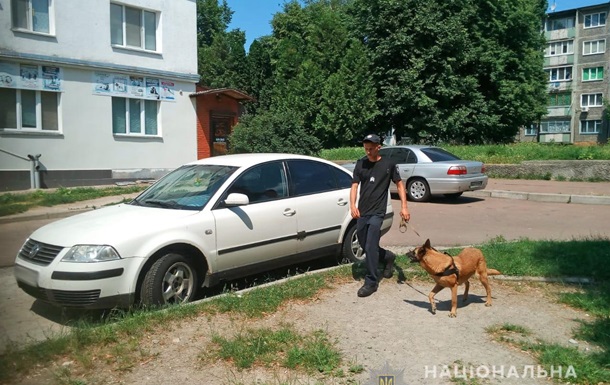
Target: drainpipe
{"type": "Point", "coordinates": [35, 171]}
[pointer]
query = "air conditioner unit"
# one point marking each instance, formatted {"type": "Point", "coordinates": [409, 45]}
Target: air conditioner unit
{"type": "Point", "coordinates": [584, 109]}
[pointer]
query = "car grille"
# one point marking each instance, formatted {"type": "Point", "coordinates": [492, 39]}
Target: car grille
{"type": "Point", "coordinates": [63, 297]}
{"type": "Point", "coordinates": [38, 252]}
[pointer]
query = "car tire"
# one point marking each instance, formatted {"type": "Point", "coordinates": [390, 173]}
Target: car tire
{"type": "Point", "coordinates": [418, 190]}
{"type": "Point", "coordinates": [172, 279]}
{"type": "Point", "coordinates": [351, 250]}
{"type": "Point", "coordinates": [453, 196]}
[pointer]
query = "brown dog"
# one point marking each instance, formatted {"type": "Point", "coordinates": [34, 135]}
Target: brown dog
{"type": "Point", "coordinates": [451, 272]}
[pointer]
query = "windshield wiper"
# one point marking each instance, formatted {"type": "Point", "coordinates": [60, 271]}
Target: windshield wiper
{"type": "Point", "coordinates": [164, 204]}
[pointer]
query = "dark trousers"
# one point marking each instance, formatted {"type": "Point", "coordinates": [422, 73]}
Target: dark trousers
{"type": "Point", "coordinates": [368, 231]}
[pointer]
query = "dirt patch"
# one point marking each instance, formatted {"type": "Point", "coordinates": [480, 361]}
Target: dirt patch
{"type": "Point", "coordinates": [390, 332]}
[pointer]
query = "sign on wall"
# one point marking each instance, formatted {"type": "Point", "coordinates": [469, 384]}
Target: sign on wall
{"type": "Point", "coordinates": [139, 87]}
{"type": "Point", "coordinates": [31, 77]}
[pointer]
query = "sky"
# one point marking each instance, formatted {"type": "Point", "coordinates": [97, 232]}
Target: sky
{"type": "Point", "coordinates": [254, 16]}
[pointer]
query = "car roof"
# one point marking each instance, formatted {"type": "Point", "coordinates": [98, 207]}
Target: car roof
{"type": "Point", "coordinates": [414, 146]}
{"type": "Point", "coordinates": [240, 160]}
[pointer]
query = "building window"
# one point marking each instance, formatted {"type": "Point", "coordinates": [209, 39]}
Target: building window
{"type": "Point", "coordinates": [564, 23]}
{"type": "Point", "coordinates": [33, 15]}
{"type": "Point", "coordinates": [559, 48]}
{"type": "Point", "coordinates": [559, 99]}
{"type": "Point", "coordinates": [591, 100]}
{"type": "Point", "coordinates": [134, 116]}
{"type": "Point", "coordinates": [590, 74]}
{"type": "Point", "coordinates": [590, 126]}
{"type": "Point", "coordinates": [595, 20]}
{"type": "Point", "coordinates": [593, 47]}
{"type": "Point", "coordinates": [29, 110]}
{"type": "Point", "coordinates": [532, 130]}
{"type": "Point", "coordinates": [554, 126]}
{"type": "Point", "coordinates": [559, 74]}
{"type": "Point", "coordinates": [133, 27]}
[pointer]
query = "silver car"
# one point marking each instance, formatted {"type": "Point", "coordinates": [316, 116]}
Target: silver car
{"type": "Point", "coordinates": [429, 170]}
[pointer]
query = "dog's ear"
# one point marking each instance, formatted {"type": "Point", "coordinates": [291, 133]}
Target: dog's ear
{"type": "Point", "coordinates": [427, 244]}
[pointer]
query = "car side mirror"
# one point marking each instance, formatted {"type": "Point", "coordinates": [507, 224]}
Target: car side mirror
{"type": "Point", "coordinates": [236, 199]}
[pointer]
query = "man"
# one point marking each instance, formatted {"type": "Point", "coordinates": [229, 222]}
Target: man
{"type": "Point", "coordinates": [373, 174]}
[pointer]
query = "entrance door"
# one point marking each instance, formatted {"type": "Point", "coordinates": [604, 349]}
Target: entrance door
{"type": "Point", "coordinates": [221, 128]}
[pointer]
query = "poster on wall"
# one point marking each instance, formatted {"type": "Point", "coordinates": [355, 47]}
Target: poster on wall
{"type": "Point", "coordinates": [29, 77]}
{"type": "Point", "coordinates": [137, 87]}
{"type": "Point", "coordinates": [51, 78]}
{"type": "Point", "coordinates": [102, 83]}
{"type": "Point", "coordinates": [152, 89]}
{"type": "Point", "coordinates": [9, 73]}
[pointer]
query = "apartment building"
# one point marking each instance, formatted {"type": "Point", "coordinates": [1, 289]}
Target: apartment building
{"type": "Point", "coordinates": [97, 91]}
{"type": "Point", "coordinates": [575, 61]}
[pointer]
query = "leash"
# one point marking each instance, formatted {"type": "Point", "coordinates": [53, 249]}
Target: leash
{"type": "Point", "coordinates": [403, 227]}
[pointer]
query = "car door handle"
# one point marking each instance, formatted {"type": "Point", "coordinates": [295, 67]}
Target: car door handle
{"type": "Point", "coordinates": [289, 212]}
{"type": "Point", "coordinates": [341, 202]}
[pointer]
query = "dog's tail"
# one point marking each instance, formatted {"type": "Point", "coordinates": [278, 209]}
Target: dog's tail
{"type": "Point", "coordinates": [493, 272]}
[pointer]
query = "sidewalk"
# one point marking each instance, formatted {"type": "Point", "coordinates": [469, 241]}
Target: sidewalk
{"type": "Point", "coordinates": [534, 190]}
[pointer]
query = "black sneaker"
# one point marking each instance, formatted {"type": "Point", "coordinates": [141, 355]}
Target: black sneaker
{"type": "Point", "coordinates": [389, 264]}
{"type": "Point", "coordinates": [366, 290]}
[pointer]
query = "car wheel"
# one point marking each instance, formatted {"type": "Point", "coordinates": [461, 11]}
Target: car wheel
{"type": "Point", "coordinates": [170, 280]}
{"type": "Point", "coordinates": [418, 190]}
{"type": "Point", "coordinates": [351, 250]}
{"type": "Point", "coordinates": [453, 196]}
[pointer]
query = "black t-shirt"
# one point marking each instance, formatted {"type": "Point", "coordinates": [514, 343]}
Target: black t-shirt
{"type": "Point", "coordinates": [374, 179]}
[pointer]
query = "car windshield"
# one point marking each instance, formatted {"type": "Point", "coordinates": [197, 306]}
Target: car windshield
{"type": "Point", "coordinates": [438, 154]}
{"type": "Point", "coordinates": [186, 188]}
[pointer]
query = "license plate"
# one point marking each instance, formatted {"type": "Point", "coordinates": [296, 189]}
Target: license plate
{"type": "Point", "coordinates": [26, 275]}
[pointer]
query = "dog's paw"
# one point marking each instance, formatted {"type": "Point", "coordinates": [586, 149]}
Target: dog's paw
{"type": "Point", "coordinates": [488, 304]}
{"type": "Point", "coordinates": [452, 315]}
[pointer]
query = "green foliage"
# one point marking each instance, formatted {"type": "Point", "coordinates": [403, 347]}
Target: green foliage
{"type": "Point", "coordinates": [452, 71]}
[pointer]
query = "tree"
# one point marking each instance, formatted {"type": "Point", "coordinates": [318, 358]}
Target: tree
{"type": "Point", "coordinates": [221, 53]}
{"type": "Point", "coordinates": [313, 67]}
{"type": "Point", "coordinates": [467, 71]}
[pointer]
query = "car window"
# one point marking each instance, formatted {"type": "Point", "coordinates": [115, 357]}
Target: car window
{"type": "Point", "coordinates": [309, 177]}
{"type": "Point", "coordinates": [343, 179]}
{"type": "Point", "coordinates": [438, 154]}
{"type": "Point", "coordinates": [263, 182]}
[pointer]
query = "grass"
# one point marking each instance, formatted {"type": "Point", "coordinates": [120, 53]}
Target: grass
{"type": "Point", "coordinates": [499, 154]}
{"type": "Point", "coordinates": [15, 203]}
{"type": "Point", "coordinates": [117, 338]}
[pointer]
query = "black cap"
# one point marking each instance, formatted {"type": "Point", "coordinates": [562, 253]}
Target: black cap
{"type": "Point", "coordinates": [372, 138]}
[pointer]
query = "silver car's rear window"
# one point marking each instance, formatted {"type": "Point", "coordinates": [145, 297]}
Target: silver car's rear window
{"type": "Point", "coordinates": [438, 154]}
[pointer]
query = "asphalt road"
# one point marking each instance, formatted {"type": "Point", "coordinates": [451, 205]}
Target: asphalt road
{"type": "Point", "coordinates": [466, 221]}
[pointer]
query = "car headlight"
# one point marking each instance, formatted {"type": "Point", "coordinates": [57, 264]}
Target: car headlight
{"type": "Point", "coordinates": [91, 253]}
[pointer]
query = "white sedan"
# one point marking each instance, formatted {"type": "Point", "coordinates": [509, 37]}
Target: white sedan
{"type": "Point", "coordinates": [215, 219]}
{"type": "Point", "coordinates": [429, 170]}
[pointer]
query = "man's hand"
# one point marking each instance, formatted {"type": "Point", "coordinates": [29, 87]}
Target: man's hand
{"type": "Point", "coordinates": [355, 212]}
{"type": "Point", "coordinates": [404, 214]}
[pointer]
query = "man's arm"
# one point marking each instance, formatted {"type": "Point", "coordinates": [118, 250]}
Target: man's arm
{"type": "Point", "coordinates": [353, 195]}
{"type": "Point", "coordinates": [402, 193]}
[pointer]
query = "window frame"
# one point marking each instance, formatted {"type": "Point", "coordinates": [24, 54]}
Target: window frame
{"type": "Point", "coordinates": [38, 112]}
{"type": "Point", "coordinates": [143, 22]}
{"type": "Point", "coordinates": [30, 18]}
{"type": "Point", "coordinates": [554, 24]}
{"type": "Point", "coordinates": [596, 129]}
{"type": "Point", "coordinates": [590, 16]}
{"type": "Point", "coordinates": [558, 97]}
{"type": "Point", "coordinates": [599, 74]}
{"type": "Point", "coordinates": [565, 126]}
{"type": "Point", "coordinates": [590, 43]}
{"type": "Point", "coordinates": [568, 44]}
{"type": "Point", "coordinates": [142, 118]}
{"type": "Point", "coordinates": [567, 74]}
{"type": "Point", "coordinates": [531, 130]}
{"type": "Point", "coordinates": [598, 99]}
